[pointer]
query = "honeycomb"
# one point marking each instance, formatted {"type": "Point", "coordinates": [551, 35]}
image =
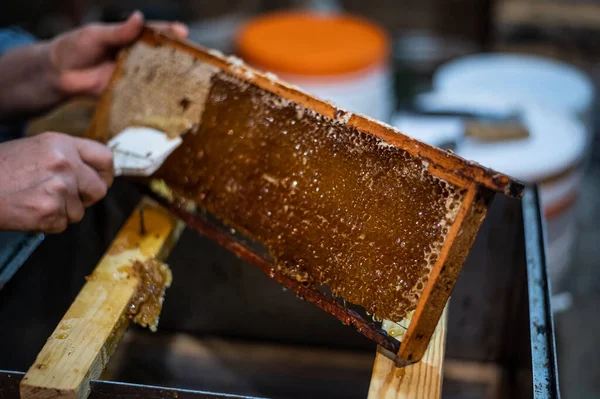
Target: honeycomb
{"type": "Point", "coordinates": [335, 206]}
{"type": "Point", "coordinates": [146, 303]}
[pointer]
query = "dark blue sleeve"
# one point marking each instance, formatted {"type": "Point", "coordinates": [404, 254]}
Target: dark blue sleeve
{"type": "Point", "coordinates": [15, 246]}
{"type": "Point", "coordinates": [13, 37]}
{"type": "Point", "coordinates": [10, 38]}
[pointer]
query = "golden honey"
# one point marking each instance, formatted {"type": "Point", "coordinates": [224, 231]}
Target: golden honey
{"type": "Point", "coordinates": [334, 205]}
{"type": "Point", "coordinates": [145, 306]}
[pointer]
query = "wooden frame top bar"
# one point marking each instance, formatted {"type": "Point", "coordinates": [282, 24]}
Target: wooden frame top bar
{"type": "Point", "coordinates": [445, 164]}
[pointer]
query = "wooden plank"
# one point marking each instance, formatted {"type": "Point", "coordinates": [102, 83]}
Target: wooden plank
{"type": "Point", "coordinates": [392, 379]}
{"type": "Point", "coordinates": [549, 13]}
{"type": "Point", "coordinates": [82, 343]}
{"type": "Point", "coordinates": [486, 376]}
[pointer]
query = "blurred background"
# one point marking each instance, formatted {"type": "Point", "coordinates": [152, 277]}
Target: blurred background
{"type": "Point", "coordinates": [510, 84]}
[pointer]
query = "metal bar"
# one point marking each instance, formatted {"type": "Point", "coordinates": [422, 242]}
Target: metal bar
{"type": "Point", "coordinates": [16, 249]}
{"type": "Point", "coordinates": [541, 322]}
{"type": "Point", "coordinates": [104, 389]}
{"type": "Point", "coordinates": [10, 380]}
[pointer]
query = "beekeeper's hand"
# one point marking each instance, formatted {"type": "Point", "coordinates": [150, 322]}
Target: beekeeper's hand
{"type": "Point", "coordinates": [47, 181]}
{"type": "Point", "coordinates": [80, 62]}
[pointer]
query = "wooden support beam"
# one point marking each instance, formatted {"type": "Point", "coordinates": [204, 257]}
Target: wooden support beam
{"type": "Point", "coordinates": [421, 380]}
{"type": "Point", "coordinates": [485, 377]}
{"type": "Point", "coordinates": [579, 14]}
{"type": "Point", "coordinates": [82, 343]}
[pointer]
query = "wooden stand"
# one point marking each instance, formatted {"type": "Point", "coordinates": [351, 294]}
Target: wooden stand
{"type": "Point", "coordinates": [422, 380]}
{"type": "Point", "coordinates": [82, 343]}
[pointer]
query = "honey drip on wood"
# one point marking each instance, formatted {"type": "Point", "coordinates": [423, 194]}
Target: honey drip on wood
{"type": "Point", "coordinates": [146, 303]}
{"type": "Point", "coordinates": [400, 372]}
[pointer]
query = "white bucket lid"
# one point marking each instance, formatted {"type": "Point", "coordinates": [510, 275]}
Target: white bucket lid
{"type": "Point", "coordinates": [557, 142]}
{"type": "Point", "coordinates": [557, 139]}
{"type": "Point", "coordinates": [521, 78]}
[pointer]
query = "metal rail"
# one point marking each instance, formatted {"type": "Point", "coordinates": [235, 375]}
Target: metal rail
{"type": "Point", "coordinates": [541, 322]}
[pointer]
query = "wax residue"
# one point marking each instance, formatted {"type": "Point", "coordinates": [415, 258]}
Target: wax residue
{"type": "Point", "coordinates": [145, 306]}
{"type": "Point", "coordinates": [334, 205]}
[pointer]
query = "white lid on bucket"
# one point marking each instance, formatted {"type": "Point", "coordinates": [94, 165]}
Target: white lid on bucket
{"type": "Point", "coordinates": [521, 78]}
{"type": "Point", "coordinates": [557, 140]}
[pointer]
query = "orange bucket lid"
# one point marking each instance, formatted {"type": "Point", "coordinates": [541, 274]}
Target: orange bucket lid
{"type": "Point", "coordinates": [312, 44]}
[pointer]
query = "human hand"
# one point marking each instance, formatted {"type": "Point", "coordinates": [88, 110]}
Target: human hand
{"type": "Point", "coordinates": [46, 181]}
{"type": "Point", "coordinates": [84, 58]}
{"type": "Point", "coordinates": [36, 77]}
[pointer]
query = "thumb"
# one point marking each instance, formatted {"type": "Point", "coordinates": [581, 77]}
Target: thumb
{"type": "Point", "coordinates": [89, 81]}
{"type": "Point", "coordinates": [115, 35]}
{"type": "Point", "coordinates": [90, 45]}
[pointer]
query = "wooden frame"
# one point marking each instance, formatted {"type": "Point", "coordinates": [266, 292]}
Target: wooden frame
{"type": "Point", "coordinates": [480, 185]}
{"type": "Point", "coordinates": [82, 343]}
{"type": "Point", "coordinates": [422, 380]}
{"type": "Point", "coordinates": [443, 164]}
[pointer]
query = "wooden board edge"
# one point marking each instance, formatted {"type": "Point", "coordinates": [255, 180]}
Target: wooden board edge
{"type": "Point", "coordinates": [422, 380]}
{"type": "Point", "coordinates": [45, 377]}
{"type": "Point", "coordinates": [444, 274]}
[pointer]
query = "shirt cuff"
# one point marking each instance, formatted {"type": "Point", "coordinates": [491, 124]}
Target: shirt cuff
{"type": "Point", "coordinates": [11, 38]}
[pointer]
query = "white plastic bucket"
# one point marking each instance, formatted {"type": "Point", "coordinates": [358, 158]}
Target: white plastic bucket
{"type": "Point", "coordinates": [368, 92]}
{"type": "Point", "coordinates": [522, 79]}
{"type": "Point", "coordinates": [557, 155]}
{"type": "Point", "coordinates": [553, 156]}
{"type": "Point", "coordinates": [335, 56]}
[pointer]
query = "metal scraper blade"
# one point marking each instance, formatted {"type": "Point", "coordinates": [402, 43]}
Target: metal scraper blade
{"type": "Point", "coordinates": [140, 151]}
